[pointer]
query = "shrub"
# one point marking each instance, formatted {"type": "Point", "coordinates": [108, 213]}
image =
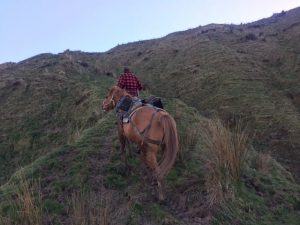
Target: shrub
{"type": "Point", "coordinates": [250, 37]}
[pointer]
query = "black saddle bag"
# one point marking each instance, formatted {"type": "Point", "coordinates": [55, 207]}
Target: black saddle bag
{"type": "Point", "coordinates": [124, 104]}
{"type": "Point", "coordinates": [155, 101]}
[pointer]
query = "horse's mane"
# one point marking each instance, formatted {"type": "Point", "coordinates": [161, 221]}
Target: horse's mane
{"type": "Point", "coordinates": [116, 90]}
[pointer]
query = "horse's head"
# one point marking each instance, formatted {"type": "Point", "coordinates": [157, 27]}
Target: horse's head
{"type": "Point", "coordinates": [112, 97]}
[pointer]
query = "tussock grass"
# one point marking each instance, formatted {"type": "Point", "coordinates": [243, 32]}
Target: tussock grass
{"type": "Point", "coordinates": [263, 162]}
{"type": "Point", "coordinates": [225, 157]}
{"type": "Point", "coordinates": [87, 209]}
{"type": "Point", "coordinates": [189, 138]}
{"type": "Point", "coordinates": [24, 204]}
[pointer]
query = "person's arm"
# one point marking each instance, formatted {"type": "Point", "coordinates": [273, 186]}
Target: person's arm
{"type": "Point", "coordinates": [121, 82]}
{"type": "Point", "coordinates": [139, 84]}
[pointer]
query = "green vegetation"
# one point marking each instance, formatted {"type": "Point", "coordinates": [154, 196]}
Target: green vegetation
{"type": "Point", "coordinates": [220, 72]}
{"type": "Point", "coordinates": [59, 152]}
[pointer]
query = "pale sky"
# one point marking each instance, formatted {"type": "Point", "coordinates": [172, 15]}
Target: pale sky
{"type": "Point", "coordinates": [31, 27]}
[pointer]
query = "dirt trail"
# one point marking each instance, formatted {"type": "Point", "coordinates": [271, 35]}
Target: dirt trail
{"type": "Point", "coordinates": [182, 205]}
{"type": "Point", "coordinates": [100, 160]}
{"type": "Point", "coordinates": [116, 203]}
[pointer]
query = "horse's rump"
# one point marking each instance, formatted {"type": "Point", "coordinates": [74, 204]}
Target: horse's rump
{"type": "Point", "coordinates": [144, 123]}
{"type": "Point", "coordinates": [161, 129]}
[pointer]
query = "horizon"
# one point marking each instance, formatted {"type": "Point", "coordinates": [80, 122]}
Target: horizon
{"type": "Point", "coordinates": [97, 26]}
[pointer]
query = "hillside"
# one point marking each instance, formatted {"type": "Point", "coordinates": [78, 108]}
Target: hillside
{"type": "Point", "coordinates": [249, 71]}
{"type": "Point", "coordinates": [53, 126]}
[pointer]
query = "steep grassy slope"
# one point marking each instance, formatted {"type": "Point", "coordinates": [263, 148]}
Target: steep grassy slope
{"type": "Point", "coordinates": [249, 71]}
{"type": "Point", "coordinates": [52, 125]}
{"type": "Point", "coordinates": [92, 165]}
{"type": "Point", "coordinates": [46, 102]}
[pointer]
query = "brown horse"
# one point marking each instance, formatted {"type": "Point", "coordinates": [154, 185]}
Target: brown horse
{"type": "Point", "coordinates": [150, 128]}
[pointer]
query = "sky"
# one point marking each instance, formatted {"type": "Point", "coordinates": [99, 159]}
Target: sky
{"type": "Point", "coordinates": [31, 27]}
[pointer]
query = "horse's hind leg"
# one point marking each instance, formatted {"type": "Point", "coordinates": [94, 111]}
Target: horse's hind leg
{"type": "Point", "coordinates": [147, 174]}
{"type": "Point", "coordinates": [153, 165]}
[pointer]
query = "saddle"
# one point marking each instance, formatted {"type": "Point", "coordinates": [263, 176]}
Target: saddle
{"type": "Point", "coordinates": [127, 106]}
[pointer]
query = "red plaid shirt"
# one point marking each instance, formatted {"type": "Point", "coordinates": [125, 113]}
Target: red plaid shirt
{"type": "Point", "coordinates": [130, 83]}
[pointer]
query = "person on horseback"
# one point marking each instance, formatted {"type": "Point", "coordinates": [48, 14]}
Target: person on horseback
{"type": "Point", "coordinates": [129, 82]}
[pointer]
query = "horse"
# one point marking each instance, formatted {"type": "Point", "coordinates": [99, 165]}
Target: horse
{"type": "Point", "coordinates": [152, 129]}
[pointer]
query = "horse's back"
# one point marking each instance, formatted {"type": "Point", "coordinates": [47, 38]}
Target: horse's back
{"type": "Point", "coordinates": [145, 120]}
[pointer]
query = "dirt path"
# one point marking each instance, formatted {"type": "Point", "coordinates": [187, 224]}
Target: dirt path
{"type": "Point", "coordinates": [181, 206]}
{"type": "Point", "coordinates": [114, 203]}
{"type": "Point", "coordinates": [100, 160]}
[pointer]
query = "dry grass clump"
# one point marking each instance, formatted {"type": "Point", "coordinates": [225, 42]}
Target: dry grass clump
{"type": "Point", "coordinates": [263, 162]}
{"type": "Point", "coordinates": [87, 209]}
{"type": "Point", "coordinates": [189, 138]}
{"type": "Point", "coordinates": [225, 157]}
{"type": "Point", "coordinates": [25, 204]}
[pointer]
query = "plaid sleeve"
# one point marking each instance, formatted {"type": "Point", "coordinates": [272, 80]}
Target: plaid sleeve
{"type": "Point", "coordinates": [139, 86]}
{"type": "Point", "coordinates": [121, 82]}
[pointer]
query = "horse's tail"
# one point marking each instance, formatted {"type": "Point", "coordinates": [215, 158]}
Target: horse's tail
{"type": "Point", "coordinates": [170, 143]}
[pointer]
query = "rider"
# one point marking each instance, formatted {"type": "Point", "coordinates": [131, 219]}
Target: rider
{"type": "Point", "coordinates": [129, 82]}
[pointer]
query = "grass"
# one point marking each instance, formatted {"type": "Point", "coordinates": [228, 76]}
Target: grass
{"type": "Point", "coordinates": [64, 138]}
{"type": "Point", "coordinates": [26, 206]}
{"type": "Point", "coordinates": [225, 159]}
{"type": "Point", "coordinates": [87, 209]}
{"type": "Point", "coordinates": [218, 72]}
{"type": "Point", "coordinates": [38, 125]}
{"type": "Point", "coordinates": [72, 191]}
{"type": "Point", "coordinates": [61, 178]}
{"type": "Point", "coordinates": [23, 205]}
{"type": "Point", "coordinates": [157, 212]}
{"type": "Point", "coordinates": [262, 162]}
{"type": "Point", "coordinates": [261, 201]}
